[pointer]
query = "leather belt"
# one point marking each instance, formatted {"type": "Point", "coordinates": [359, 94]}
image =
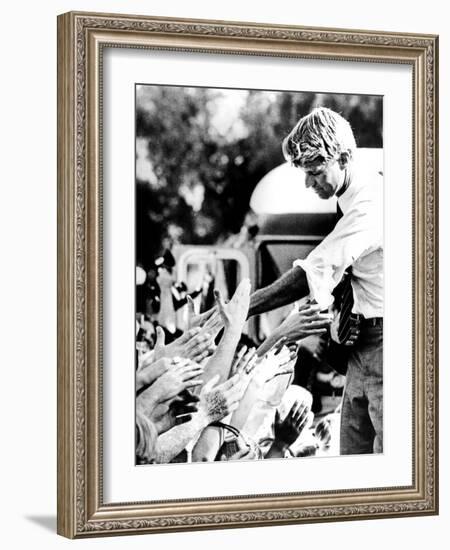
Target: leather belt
{"type": "Point", "coordinates": [371, 321]}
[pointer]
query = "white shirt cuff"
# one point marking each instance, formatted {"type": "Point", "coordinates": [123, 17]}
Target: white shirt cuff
{"type": "Point", "coordinates": [319, 282]}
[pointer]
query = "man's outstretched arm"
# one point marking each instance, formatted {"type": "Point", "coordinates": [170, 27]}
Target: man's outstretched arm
{"type": "Point", "coordinates": [287, 289]}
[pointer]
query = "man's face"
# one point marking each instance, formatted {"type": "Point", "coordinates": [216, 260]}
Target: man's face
{"type": "Point", "coordinates": [324, 178]}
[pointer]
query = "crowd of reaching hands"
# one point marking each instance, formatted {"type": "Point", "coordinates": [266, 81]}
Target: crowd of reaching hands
{"type": "Point", "coordinates": [206, 395]}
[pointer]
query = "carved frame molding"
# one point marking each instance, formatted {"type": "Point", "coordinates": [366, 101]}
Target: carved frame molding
{"type": "Point", "coordinates": [81, 37]}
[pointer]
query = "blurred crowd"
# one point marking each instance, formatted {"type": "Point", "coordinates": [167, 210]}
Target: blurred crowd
{"type": "Point", "coordinates": [205, 391]}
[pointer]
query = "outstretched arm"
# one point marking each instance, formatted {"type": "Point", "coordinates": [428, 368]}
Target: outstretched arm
{"type": "Point", "coordinates": [166, 315]}
{"type": "Point", "coordinates": [215, 403]}
{"type": "Point", "coordinates": [307, 320]}
{"type": "Point", "coordinates": [233, 314]}
{"type": "Point", "coordinates": [287, 289]}
{"type": "Point", "coordinates": [169, 444]}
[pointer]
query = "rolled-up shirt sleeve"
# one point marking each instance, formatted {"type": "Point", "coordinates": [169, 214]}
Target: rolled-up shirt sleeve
{"type": "Point", "coordinates": [356, 234]}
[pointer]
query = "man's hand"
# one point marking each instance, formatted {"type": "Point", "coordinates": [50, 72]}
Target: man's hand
{"type": "Point", "coordinates": [231, 314]}
{"type": "Point", "coordinates": [180, 376]}
{"type": "Point", "coordinates": [245, 361]}
{"type": "Point", "coordinates": [172, 413]}
{"type": "Point", "coordinates": [278, 361]}
{"type": "Point", "coordinates": [234, 313]}
{"type": "Point", "coordinates": [288, 430]}
{"type": "Point", "coordinates": [195, 344]}
{"type": "Point", "coordinates": [216, 402]}
{"type": "Point", "coordinates": [236, 310]}
{"type": "Point", "coordinates": [150, 370]}
{"type": "Point", "coordinates": [198, 319]}
{"type": "Point", "coordinates": [306, 321]}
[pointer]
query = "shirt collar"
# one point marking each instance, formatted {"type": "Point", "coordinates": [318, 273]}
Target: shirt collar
{"type": "Point", "coordinates": [345, 185]}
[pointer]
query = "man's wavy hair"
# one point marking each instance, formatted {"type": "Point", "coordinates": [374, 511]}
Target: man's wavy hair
{"type": "Point", "coordinates": [318, 138]}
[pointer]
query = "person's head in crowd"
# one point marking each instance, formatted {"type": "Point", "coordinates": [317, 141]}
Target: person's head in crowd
{"type": "Point", "coordinates": [146, 438]}
{"type": "Point", "coordinates": [322, 144]}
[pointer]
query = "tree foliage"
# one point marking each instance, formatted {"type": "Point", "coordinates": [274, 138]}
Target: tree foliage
{"type": "Point", "coordinates": [208, 148]}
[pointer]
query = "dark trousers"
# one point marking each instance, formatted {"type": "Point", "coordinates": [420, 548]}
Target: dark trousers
{"type": "Point", "coordinates": [362, 404]}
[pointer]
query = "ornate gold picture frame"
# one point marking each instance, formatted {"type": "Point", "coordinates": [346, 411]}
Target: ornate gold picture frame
{"type": "Point", "coordinates": [82, 38]}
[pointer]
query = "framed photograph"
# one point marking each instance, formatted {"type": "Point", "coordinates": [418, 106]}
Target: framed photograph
{"type": "Point", "coordinates": [247, 283]}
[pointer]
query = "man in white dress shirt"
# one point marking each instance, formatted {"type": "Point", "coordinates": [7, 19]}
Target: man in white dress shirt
{"type": "Point", "coordinates": [323, 146]}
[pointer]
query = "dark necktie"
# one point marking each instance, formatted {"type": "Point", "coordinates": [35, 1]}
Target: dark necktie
{"type": "Point", "coordinates": [343, 296]}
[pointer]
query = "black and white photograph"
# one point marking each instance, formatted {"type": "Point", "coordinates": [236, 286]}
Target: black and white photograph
{"type": "Point", "coordinates": [259, 274]}
{"type": "Point", "coordinates": [223, 248]}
